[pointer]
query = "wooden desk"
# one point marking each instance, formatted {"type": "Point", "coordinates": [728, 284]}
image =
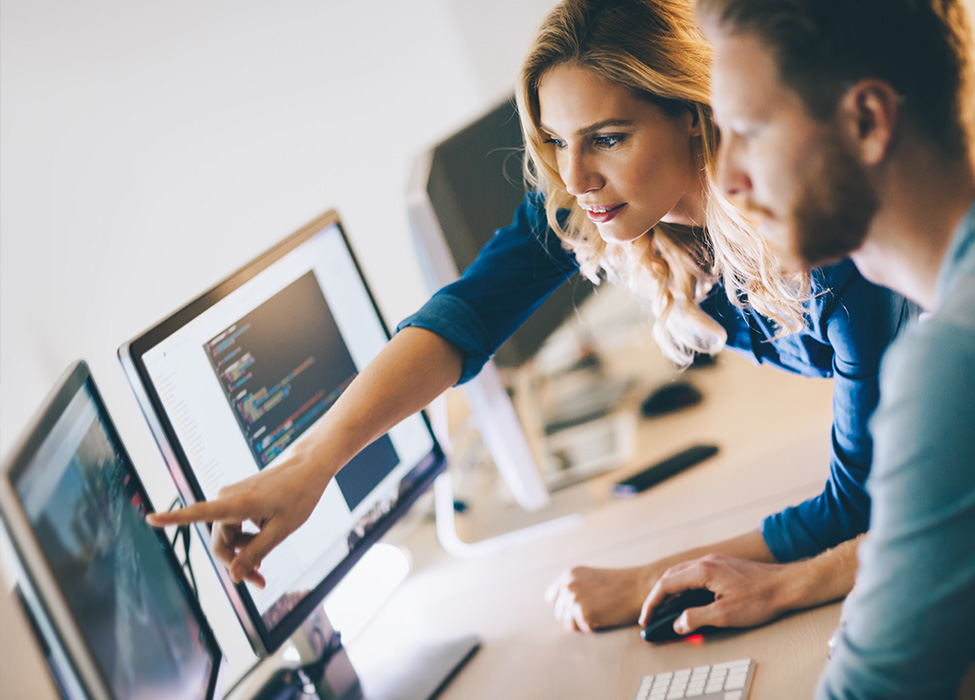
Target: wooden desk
{"type": "Point", "coordinates": [774, 433]}
{"type": "Point", "coordinates": [23, 671]}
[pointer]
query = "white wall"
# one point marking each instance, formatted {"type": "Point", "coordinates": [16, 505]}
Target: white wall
{"type": "Point", "coordinates": [148, 149]}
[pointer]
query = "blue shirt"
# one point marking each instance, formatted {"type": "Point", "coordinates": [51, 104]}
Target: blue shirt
{"type": "Point", "coordinates": [850, 324]}
{"type": "Point", "coordinates": [911, 616]}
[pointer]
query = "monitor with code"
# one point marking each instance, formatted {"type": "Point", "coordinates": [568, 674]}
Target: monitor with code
{"type": "Point", "coordinates": [233, 380]}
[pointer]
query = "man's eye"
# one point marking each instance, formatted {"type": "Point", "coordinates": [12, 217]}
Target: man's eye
{"type": "Point", "coordinates": [741, 133]}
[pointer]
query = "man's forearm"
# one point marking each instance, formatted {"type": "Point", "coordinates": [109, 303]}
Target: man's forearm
{"type": "Point", "coordinates": [821, 579]}
{"type": "Point", "coordinates": [749, 545]}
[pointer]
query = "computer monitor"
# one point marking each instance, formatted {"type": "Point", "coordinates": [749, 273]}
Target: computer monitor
{"type": "Point", "coordinates": [461, 191]}
{"type": "Point", "coordinates": [105, 591]}
{"type": "Point", "coordinates": [464, 189]}
{"type": "Point", "coordinates": [233, 380]}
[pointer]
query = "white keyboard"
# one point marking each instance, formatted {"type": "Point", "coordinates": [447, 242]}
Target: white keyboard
{"type": "Point", "coordinates": [728, 681]}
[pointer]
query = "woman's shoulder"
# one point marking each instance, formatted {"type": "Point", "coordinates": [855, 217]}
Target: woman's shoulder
{"type": "Point", "coordinates": [525, 243]}
{"type": "Point", "coordinates": [838, 288]}
{"type": "Point", "coordinates": [835, 279]}
{"type": "Point", "coordinates": [859, 318]}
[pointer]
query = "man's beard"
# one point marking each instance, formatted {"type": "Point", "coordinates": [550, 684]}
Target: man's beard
{"type": "Point", "coordinates": [836, 204]}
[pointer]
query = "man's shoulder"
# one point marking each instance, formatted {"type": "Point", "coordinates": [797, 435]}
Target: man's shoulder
{"type": "Point", "coordinates": [936, 357]}
{"type": "Point", "coordinates": [923, 420]}
{"type": "Point", "coordinates": [956, 311]}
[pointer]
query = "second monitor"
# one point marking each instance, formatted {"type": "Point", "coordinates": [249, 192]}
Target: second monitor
{"type": "Point", "coordinates": [104, 590]}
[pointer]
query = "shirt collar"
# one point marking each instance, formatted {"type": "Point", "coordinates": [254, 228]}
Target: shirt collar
{"type": "Point", "coordinates": [962, 243]}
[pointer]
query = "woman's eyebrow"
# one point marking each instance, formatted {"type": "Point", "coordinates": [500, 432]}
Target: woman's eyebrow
{"type": "Point", "coordinates": [592, 128]}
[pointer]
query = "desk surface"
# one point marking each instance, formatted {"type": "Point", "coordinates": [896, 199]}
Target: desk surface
{"type": "Point", "coordinates": [774, 432]}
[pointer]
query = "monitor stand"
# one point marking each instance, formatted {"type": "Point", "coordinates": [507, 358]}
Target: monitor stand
{"type": "Point", "coordinates": [416, 673]}
{"type": "Point", "coordinates": [65, 681]}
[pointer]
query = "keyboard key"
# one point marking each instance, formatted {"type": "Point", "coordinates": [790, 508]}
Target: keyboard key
{"type": "Point", "coordinates": [735, 681]}
{"type": "Point", "coordinates": [729, 680]}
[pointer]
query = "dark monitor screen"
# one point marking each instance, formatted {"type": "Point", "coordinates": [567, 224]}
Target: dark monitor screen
{"type": "Point", "coordinates": [473, 184]}
{"type": "Point", "coordinates": [233, 380]}
{"type": "Point", "coordinates": [105, 589]}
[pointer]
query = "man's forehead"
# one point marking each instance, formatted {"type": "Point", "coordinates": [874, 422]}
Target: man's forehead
{"type": "Point", "coordinates": [744, 77]}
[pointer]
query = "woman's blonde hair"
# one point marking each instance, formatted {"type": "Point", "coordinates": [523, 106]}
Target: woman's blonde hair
{"type": "Point", "coordinates": [654, 48]}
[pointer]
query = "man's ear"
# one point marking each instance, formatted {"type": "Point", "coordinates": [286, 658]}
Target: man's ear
{"type": "Point", "coordinates": [869, 113]}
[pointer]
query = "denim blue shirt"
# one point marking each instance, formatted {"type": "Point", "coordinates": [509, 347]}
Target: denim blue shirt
{"type": "Point", "coordinates": [850, 323]}
{"type": "Point", "coordinates": [910, 619]}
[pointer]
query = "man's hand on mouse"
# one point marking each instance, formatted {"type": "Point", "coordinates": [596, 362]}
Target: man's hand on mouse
{"type": "Point", "coordinates": [747, 593]}
{"type": "Point", "coordinates": [587, 599]}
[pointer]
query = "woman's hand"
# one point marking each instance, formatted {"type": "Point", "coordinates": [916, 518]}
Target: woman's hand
{"type": "Point", "coordinates": [276, 500]}
{"type": "Point", "coordinates": [414, 368]}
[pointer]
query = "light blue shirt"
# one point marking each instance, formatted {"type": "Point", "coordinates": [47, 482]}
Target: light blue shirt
{"type": "Point", "coordinates": [910, 621]}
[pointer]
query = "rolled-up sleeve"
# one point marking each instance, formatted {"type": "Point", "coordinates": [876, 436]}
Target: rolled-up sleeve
{"type": "Point", "coordinates": [517, 270]}
{"type": "Point", "coordinates": [859, 321]}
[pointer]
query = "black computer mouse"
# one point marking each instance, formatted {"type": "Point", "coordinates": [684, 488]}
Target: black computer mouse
{"type": "Point", "coordinates": [660, 628]}
{"type": "Point", "coordinates": [670, 397]}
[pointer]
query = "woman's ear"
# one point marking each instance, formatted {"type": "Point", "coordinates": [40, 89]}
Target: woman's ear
{"type": "Point", "coordinates": [869, 113]}
{"type": "Point", "coordinates": [695, 126]}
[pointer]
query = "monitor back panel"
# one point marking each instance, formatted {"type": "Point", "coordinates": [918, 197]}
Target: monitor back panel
{"type": "Point", "coordinates": [473, 185]}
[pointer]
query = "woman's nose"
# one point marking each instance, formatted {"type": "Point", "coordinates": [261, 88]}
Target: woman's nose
{"type": "Point", "coordinates": [578, 175]}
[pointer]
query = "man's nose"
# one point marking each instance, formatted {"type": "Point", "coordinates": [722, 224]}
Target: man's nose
{"type": "Point", "coordinates": [732, 177]}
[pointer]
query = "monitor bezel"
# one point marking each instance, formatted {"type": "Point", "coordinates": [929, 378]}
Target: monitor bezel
{"type": "Point", "coordinates": [71, 659]}
{"type": "Point", "coordinates": [263, 640]}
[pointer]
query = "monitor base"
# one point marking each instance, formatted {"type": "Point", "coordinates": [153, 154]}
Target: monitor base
{"type": "Point", "coordinates": [415, 673]}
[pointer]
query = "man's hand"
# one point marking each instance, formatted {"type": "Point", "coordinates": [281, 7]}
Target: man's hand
{"type": "Point", "coordinates": [750, 593]}
{"type": "Point", "coordinates": [587, 599]}
{"type": "Point", "coordinates": [277, 501]}
{"type": "Point", "coordinates": [750, 588]}
{"type": "Point", "coordinates": [747, 593]}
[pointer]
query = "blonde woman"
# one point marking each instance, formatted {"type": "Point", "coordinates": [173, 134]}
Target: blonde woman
{"type": "Point", "coordinates": [621, 153]}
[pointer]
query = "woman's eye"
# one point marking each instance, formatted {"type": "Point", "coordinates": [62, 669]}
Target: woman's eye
{"type": "Point", "coordinates": [608, 141]}
{"type": "Point", "coordinates": [558, 143]}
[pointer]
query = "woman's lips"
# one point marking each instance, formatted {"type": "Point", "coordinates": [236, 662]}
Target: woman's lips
{"type": "Point", "coordinates": [602, 215]}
